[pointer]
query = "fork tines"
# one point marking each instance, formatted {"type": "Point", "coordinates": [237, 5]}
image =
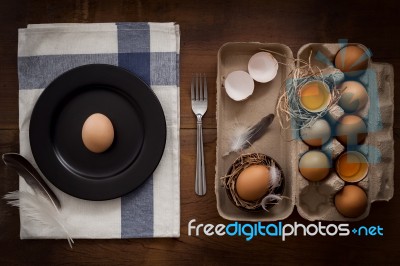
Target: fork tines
{"type": "Point", "coordinates": [199, 87]}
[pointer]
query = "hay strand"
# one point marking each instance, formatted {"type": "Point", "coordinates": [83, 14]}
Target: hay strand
{"type": "Point", "coordinates": [288, 108]}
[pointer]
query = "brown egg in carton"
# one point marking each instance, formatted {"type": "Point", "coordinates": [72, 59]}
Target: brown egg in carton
{"type": "Point", "coordinates": [378, 183]}
{"type": "Point", "coordinates": [314, 200]}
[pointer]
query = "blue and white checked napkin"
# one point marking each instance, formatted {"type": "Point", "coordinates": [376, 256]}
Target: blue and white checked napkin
{"type": "Point", "coordinates": [149, 50]}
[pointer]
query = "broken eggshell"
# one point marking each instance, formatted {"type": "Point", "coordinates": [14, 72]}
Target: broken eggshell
{"type": "Point", "coordinates": [239, 85]}
{"type": "Point", "coordinates": [263, 67]}
{"type": "Point", "coordinates": [352, 166]}
{"type": "Point", "coordinates": [315, 96]}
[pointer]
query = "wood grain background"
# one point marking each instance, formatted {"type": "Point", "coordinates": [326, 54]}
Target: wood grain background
{"type": "Point", "coordinates": [205, 26]}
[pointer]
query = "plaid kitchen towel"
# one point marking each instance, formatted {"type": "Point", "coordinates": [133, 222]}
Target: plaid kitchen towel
{"type": "Point", "coordinates": [149, 50]}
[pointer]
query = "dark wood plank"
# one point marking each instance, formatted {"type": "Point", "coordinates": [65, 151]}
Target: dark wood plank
{"type": "Point", "coordinates": [202, 249]}
{"type": "Point", "coordinates": [205, 26]}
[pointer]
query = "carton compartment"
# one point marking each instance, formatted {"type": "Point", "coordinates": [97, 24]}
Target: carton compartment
{"type": "Point", "coordinates": [377, 147]}
{"type": "Point", "coordinates": [316, 198]}
{"type": "Point", "coordinates": [231, 114]}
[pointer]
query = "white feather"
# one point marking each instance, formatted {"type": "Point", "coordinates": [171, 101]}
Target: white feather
{"type": "Point", "coordinates": [276, 180]}
{"type": "Point", "coordinates": [39, 209]}
{"type": "Point", "coordinates": [267, 200]}
{"type": "Point", "coordinates": [241, 136]}
{"type": "Point", "coordinates": [275, 175]}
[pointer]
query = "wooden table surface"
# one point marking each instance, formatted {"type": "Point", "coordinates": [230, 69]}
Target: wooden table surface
{"type": "Point", "coordinates": [205, 26]}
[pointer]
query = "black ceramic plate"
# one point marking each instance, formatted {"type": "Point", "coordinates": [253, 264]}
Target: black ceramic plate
{"type": "Point", "coordinates": [56, 132]}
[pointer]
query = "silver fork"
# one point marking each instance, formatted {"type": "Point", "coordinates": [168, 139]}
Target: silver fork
{"type": "Point", "coordinates": [199, 107]}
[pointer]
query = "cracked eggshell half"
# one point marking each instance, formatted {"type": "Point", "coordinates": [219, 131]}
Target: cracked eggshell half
{"type": "Point", "coordinates": [263, 67]}
{"type": "Point", "coordinates": [239, 85]}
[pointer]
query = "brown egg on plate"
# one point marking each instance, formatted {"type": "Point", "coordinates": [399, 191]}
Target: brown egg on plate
{"type": "Point", "coordinates": [314, 165]}
{"type": "Point", "coordinates": [352, 59]}
{"type": "Point", "coordinates": [97, 133]}
{"type": "Point", "coordinates": [253, 182]}
{"type": "Point", "coordinates": [353, 97]}
{"type": "Point", "coordinates": [351, 130]}
{"type": "Point", "coordinates": [351, 201]}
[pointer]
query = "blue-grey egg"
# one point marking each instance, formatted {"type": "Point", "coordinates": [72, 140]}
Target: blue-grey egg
{"type": "Point", "coordinates": [317, 134]}
{"type": "Point", "coordinates": [314, 165]}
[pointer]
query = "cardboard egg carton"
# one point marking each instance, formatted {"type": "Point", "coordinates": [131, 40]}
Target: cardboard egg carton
{"type": "Point", "coordinates": [314, 200]}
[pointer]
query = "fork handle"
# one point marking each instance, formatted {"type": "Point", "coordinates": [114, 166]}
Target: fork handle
{"type": "Point", "coordinates": [200, 182]}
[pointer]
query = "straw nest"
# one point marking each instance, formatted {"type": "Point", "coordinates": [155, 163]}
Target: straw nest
{"type": "Point", "coordinates": [288, 108]}
{"type": "Point", "coordinates": [273, 194]}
